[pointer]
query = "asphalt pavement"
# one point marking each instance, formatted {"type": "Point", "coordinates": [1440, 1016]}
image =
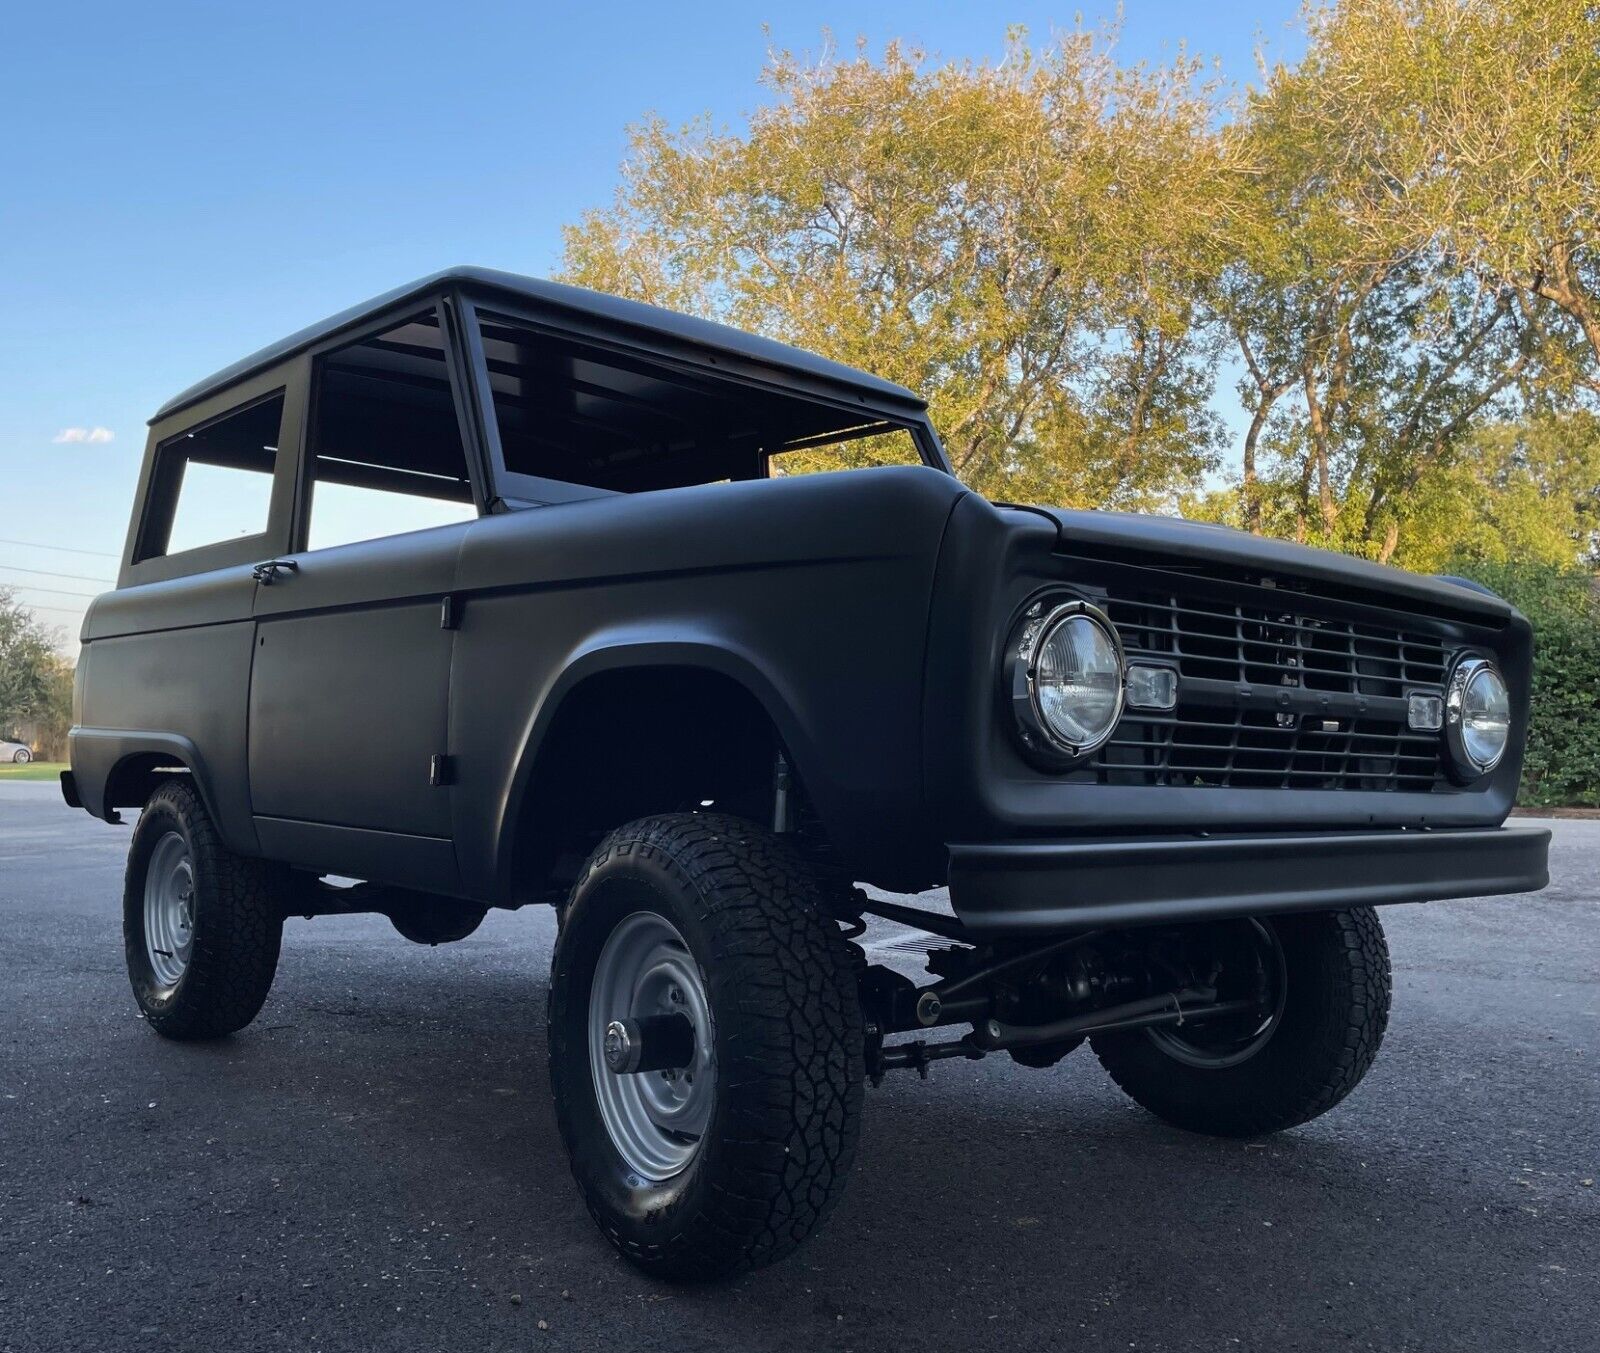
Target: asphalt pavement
{"type": "Point", "coordinates": [373, 1165]}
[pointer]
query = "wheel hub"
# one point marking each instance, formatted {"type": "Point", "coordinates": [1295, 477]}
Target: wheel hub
{"type": "Point", "coordinates": [169, 910]}
{"type": "Point", "coordinates": [1254, 969]}
{"type": "Point", "coordinates": [655, 1118]}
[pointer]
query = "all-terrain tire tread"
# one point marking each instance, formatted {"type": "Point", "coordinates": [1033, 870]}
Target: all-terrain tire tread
{"type": "Point", "coordinates": [796, 1083]}
{"type": "Point", "coordinates": [235, 955]}
{"type": "Point", "coordinates": [1350, 1012]}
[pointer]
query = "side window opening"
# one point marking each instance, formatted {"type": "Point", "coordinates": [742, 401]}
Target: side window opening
{"type": "Point", "coordinates": [213, 483]}
{"type": "Point", "coordinates": [385, 448]}
{"type": "Point", "coordinates": [859, 448]}
{"type": "Point", "coordinates": [618, 423]}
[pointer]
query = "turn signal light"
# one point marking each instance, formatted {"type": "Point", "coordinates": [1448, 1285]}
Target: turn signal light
{"type": "Point", "coordinates": [1152, 687]}
{"type": "Point", "coordinates": [1425, 713]}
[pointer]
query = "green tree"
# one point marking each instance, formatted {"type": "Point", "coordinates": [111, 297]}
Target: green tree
{"type": "Point", "coordinates": [28, 664]}
{"type": "Point", "coordinates": [1370, 353]}
{"type": "Point", "coordinates": [1024, 242]}
{"type": "Point", "coordinates": [1523, 493]}
{"type": "Point", "coordinates": [1480, 120]}
{"type": "Point", "coordinates": [1392, 241]}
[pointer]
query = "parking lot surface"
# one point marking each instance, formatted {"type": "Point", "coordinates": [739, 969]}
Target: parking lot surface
{"type": "Point", "coordinates": [373, 1165]}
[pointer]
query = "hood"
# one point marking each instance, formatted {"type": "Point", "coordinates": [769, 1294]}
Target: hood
{"type": "Point", "coordinates": [1171, 541]}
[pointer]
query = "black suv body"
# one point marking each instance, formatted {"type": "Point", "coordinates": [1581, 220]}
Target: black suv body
{"type": "Point", "coordinates": [635, 612]}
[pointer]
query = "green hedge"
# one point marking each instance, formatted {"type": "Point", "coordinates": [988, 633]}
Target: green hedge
{"type": "Point", "coordinates": [1562, 768]}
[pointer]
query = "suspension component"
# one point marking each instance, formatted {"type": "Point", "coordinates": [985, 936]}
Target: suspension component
{"type": "Point", "coordinates": [1174, 1007]}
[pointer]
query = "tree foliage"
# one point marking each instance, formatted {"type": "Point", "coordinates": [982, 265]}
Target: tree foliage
{"type": "Point", "coordinates": [1027, 243]}
{"type": "Point", "coordinates": [1387, 253]}
{"type": "Point", "coordinates": [1479, 122]}
{"type": "Point", "coordinates": [35, 681]}
{"type": "Point", "coordinates": [1378, 346]}
{"type": "Point", "coordinates": [1387, 250]}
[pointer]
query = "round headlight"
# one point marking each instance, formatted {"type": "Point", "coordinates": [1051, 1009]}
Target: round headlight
{"type": "Point", "coordinates": [1066, 680]}
{"type": "Point", "coordinates": [1477, 716]}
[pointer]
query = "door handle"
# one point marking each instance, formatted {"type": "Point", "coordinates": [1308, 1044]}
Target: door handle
{"type": "Point", "coordinates": [267, 573]}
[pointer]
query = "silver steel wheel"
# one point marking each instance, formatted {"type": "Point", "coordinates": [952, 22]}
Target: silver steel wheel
{"type": "Point", "coordinates": [169, 910]}
{"type": "Point", "coordinates": [655, 1118]}
{"type": "Point", "coordinates": [23, 756]}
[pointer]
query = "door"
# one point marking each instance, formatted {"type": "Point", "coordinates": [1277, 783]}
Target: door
{"type": "Point", "coordinates": [350, 687]}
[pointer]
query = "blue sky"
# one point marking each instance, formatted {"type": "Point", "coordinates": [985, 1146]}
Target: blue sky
{"type": "Point", "coordinates": [183, 183]}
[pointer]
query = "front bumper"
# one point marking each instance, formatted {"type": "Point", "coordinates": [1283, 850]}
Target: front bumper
{"type": "Point", "coordinates": [1031, 887]}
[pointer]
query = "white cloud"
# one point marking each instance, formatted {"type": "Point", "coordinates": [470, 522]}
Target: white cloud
{"type": "Point", "coordinates": [95, 436]}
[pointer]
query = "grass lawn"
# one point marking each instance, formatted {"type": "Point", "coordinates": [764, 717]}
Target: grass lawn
{"type": "Point", "coordinates": [34, 770]}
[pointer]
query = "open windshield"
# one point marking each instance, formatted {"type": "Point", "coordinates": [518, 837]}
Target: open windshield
{"type": "Point", "coordinates": [599, 419]}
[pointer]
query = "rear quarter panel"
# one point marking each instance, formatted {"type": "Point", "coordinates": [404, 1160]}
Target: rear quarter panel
{"type": "Point", "coordinates": [166, 666]}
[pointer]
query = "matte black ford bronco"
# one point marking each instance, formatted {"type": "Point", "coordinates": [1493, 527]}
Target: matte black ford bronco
{"type": "Point", "coordinates": [495, 592]}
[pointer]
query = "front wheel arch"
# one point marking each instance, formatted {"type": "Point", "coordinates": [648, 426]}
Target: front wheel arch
{"type": "Point", "coordinates": [741, 721]}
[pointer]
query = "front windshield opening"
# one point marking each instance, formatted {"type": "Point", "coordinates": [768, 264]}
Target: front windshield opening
{"type": "Point", "coordinates": [579, 415]}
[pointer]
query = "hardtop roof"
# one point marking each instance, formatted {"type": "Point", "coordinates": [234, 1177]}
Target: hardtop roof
{"type": "Point", "coordinates": [560, 296]}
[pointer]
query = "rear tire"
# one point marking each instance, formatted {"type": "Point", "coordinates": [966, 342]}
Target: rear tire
{"type": "Point", "coordinates": [201, 926]}
{"type": "Point", "coordinates": [1335, 1009]}
{"type": "Point", "coordinates": [730, 919]}
{"type": "Point", "coordinates": [21, 757]}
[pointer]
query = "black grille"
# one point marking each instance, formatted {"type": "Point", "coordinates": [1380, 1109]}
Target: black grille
{"type": "Point", "coordinates": [1216, 739]}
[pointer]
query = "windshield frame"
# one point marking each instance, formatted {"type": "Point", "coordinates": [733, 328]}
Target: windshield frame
{"type": "Point", "coordinates": [508, 488]}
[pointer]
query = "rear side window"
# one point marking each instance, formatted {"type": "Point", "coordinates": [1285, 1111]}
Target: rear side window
{"type": "Point", "coordinates": [214, 482]}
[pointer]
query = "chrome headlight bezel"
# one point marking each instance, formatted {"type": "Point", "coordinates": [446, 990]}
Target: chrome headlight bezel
{"type": "Point", "coordinates": [1464, 766]}
{"type": "Point", "coordinates": [1041, 620]}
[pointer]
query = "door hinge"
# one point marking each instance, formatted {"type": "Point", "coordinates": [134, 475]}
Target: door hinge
{"type": "Point", "coordinates": [450, 612]}
{"type": "Point", "coordinates": [441, 770]}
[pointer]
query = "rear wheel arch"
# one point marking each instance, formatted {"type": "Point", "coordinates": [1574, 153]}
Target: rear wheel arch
{"type": "Point", "coordinates": [137, 775]}
{"type": "Point", "coordinates": [144, 767]}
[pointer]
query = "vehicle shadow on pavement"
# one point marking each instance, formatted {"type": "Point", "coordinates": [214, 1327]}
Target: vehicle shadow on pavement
{"type": "Point", "coordinates": [375, 1162]}
{"type": "Point", "coordinates": [992, 1195]}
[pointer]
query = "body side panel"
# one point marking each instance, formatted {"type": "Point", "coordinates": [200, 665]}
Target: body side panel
{"type": "Point", "coordinates": [177, 692]}
{"type": "Point", "coordinates": [812, 592]}
{"type": "Point", "coordinates": [420, 863]}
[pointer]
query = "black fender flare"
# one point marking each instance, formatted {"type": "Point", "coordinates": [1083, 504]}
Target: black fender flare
{"type": "Point", "coordinates": [621, 652]}
{"type": "Point", "coordinates": [98, 755]}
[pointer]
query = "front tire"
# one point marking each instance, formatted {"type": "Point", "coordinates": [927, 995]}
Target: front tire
{"type": "Point", "coordinates": [1334, 1007]}
{"type": "Point", "coordinates": [21, 756]}
{"type": "Point", "coordinates": [735, 1158]}
{"type": "Point", "coordinates": [201, 926]}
